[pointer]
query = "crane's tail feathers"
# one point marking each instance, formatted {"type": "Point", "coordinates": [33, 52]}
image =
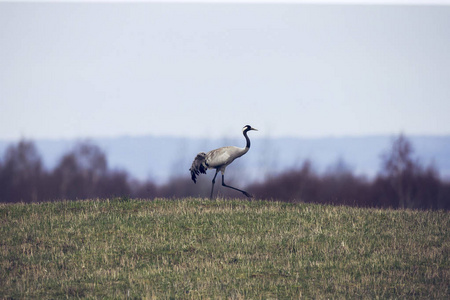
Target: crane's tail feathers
{"type": "Point", "coordinates": [198, 166]}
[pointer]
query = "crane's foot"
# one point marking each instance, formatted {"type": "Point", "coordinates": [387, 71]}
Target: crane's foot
{"type": "Point", "coordinates": [247, 194]}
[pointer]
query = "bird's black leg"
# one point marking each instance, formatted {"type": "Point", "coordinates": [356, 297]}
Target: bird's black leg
{"type": "Point", "coordinates": [243, 192]}
{"type": "Point", "coordinates": [213, 181]}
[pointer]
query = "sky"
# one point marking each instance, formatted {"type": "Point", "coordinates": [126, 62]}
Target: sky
{"type": "Point", "coordinates": [106, 69]}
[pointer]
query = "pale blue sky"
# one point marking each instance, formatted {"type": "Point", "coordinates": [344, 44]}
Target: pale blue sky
{"type": "Point", "coordinates": [205, 70]}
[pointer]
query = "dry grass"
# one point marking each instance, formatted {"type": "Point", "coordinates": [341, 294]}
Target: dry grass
{"type": "Point", "coordinates": [196, 248]}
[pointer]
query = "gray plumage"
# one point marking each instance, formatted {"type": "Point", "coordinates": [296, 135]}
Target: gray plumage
{"type": "Point", "coordinates": [219, 159]}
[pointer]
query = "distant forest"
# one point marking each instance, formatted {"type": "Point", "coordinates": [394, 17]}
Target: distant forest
{"type": "Point", "coordinates": [83, 173]}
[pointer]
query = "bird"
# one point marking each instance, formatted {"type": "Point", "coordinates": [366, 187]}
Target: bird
{"type": "Point", "coordinates": [219, 159]}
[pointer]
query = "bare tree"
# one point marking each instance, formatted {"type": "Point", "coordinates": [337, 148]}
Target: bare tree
{"type": "Point", "coordinates": [21, 173]}
{"type": "Point", "coordinates": [400, 168]}
{"type": "Point", "coordinates": [80, 171]}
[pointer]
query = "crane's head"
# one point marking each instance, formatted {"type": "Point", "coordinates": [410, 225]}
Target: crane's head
{"type": "Point", "coordinates": [248, 128]}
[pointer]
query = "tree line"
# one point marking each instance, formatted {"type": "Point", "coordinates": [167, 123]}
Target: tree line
{"type": "Point", "coordinates": [83, 173]}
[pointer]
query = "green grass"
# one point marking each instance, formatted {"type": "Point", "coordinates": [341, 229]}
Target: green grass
{"type": "Point", "coordinates": [196, 248]}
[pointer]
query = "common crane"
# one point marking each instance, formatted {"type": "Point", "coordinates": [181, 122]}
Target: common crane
{"type": "Point", "coordinates": [219, 159]}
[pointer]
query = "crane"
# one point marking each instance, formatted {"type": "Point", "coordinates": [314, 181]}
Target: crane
{"type": "Point", "coordinates": [219, 159]}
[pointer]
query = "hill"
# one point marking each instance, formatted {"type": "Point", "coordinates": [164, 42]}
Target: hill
{"type": "Point", "coordinates": [160, 158]}
{"type": "Point", "coordinates": [196, 248]}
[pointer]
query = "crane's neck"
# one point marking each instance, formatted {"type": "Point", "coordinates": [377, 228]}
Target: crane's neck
{"type": "Point", "coordinates": [248, 141]}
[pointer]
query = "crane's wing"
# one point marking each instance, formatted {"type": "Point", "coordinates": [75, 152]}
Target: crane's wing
{"type": "Point", "coordinates": [198, 166]}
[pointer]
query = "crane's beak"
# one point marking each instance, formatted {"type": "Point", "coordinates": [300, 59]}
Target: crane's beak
{"type": "Point", "coordinates": [254, 129]}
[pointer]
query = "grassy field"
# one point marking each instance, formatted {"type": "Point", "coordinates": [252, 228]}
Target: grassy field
{"type": "Point", "coordinates": [197, 248]}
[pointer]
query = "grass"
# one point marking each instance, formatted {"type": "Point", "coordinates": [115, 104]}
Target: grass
{"type": "Point", "coordinates": [197, 248]}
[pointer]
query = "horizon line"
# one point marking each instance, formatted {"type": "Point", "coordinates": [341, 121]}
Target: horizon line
{"type": "Point", "coordinates": [144, 135]}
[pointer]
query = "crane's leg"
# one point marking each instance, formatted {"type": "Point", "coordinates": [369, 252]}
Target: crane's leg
{"type": "Point", "coordinates": [243, 192]}
{"type": "Point", "coordinates": [213, 181]}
